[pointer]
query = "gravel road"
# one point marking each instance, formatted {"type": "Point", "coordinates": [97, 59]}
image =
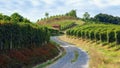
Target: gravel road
{"type": "Point", "coordinates": [65, 61]}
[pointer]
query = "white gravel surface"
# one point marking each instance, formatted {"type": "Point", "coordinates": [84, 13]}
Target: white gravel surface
{"type": "Point", "coordinates": [65, 61]}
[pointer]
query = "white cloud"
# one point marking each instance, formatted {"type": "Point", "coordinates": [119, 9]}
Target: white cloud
{"type": "Point", "coordinates": [35, 9]}
{"type": "Point", "coordinates": [49, 1]}
{"type": "Point", "coordinates": [106, 3]}
{"type": "Point", "coordinates": [35, 2]}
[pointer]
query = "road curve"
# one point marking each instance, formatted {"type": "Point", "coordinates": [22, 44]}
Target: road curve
{"type": "Point", "coordinates": [65, 62]}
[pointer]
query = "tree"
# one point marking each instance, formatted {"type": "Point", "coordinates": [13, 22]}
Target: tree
{"type": "Point", "coordinates": [46, 14]}
{"type": "Point", "coordinates": [86, 16]}
{"type": "Point", "coordinates": [1, 16]}
{"type": "Point", "coordinates": [15, 17]}
{"type": "Point", "coordinates": [72, 13]}
{"type": "Point", "coordinates": [6, 18]}
{"type": "Point", "coordinates": [26, 20]}
{"type": "Point", "coordinates": [107, 18]}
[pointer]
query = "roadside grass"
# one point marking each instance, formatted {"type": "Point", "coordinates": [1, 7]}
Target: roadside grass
{"type": "Point", "coordinates": [102, 55]}
{"type": "Point", "coordinates": [76, 55]}
{"type": "Point", "coordinates": [48, 62]}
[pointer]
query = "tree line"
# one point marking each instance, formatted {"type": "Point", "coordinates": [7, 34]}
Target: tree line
{"type": "Point", "coordinates": [14, 18]}
{"type": "Point", "coordinates": [71, 13]}
{"type": "Point", "coordinates": [101, 18]}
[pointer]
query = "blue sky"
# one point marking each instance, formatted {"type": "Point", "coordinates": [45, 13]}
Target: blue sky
{"type": "Point", "coordinates": [35, 9]}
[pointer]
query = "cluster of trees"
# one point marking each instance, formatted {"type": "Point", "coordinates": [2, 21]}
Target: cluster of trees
{"type": "Point", "coordinates": [14, 18]}
{"type": "Point", "coordinates": [72, 13]}
{"type": "Point", "coordinates": [103, 18]}
{"type": "Point", "coordinates": [22, 35]}
{"type": "Point", "coordinates": [107, 18]}
{"type": "Point", "coordinates": [98, 32]}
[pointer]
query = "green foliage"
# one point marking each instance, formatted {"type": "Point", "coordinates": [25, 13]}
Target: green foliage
{"type": "Point", "coordinates": [53, 32]}
{"type": "Point", "coordinates": [1, 16]}
{"type": "Point", "coordinates": [14, 18]}
{"type": "Point", "coordinates": [66, 25]}
{"type": "Point", "coordinates": [6, 18]}
{"type": "Point", "coordinates": [72, 13]}
{"type": "Point", "coordinates": [14, 36]}
{"type": "Point", "coordinates": [86, 16]}
{"type": "Point", "coordinates": [99, 32]}
{"type": "Point", "coordinates": [46, 14]}
{"type": "Point", "coordinates": [107, 18]}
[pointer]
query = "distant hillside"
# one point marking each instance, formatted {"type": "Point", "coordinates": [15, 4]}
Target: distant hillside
{"type": "Point", "coordinates": [50, 19]}
{"type": "Point", "coordinates": [61, 22]}
{"type": "Point", "coordinates": [55, 19]}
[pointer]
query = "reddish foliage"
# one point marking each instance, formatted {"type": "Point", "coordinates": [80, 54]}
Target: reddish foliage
{"type": "Point", "coordinates": [18, 55]}
{"type": "Point", "coordinates": [26, 55]}
{"type": "Point", "coordinates": [3, 61]}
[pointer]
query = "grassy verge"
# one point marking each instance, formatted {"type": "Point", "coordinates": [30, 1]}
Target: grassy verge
{"type": "Point", "coordinates": [61, 54]}
{"type": "Point", "coordinates": [100, 56]}
{"type": "Point", "coordinates": [76, 54]}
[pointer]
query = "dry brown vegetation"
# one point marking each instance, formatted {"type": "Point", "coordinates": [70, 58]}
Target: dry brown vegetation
{"type": "Point", "coordinates": [55, 19]}
{"type": "Point", "coordinates": [100, 56]}
{"type": "Point", "coordinates": [28, 57]}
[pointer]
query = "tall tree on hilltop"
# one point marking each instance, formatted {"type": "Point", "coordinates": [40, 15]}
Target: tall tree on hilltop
{"type": "Point", "coordinates": [86, 16]}
{"type": "Point", "coordinates": [46, 14]}
{"type": "Point", "coordinates": [72, 13]}
{"type": "Point", "coordinates": [15, 17]}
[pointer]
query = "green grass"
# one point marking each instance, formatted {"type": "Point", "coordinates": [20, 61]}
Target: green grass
{"type": "Point", "coordinates": [76, 55]}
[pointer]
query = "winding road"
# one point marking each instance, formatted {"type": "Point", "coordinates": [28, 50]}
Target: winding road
{"type": "Point", "coordinates": [65, 61]}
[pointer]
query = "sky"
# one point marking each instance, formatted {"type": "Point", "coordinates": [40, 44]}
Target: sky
{"type": "Point", "coordinates": [36, 9]}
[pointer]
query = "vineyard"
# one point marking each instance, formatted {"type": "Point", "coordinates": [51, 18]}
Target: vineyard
{"type": "Point", "coordinates": [66, 24]}
{"type": "Point", "coordinates": [25, 44]}
{"type": "Point", "coordinates": [98, 32]}
{"type": "Point", "coordinates": [15, 36]}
